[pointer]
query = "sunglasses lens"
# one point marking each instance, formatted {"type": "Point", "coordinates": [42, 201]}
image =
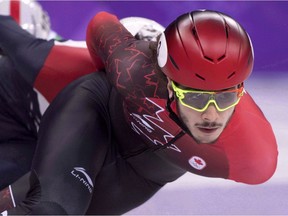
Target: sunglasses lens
{"type": "Point", "coordinates": [226, 99]}
{"type": "Point", "coordinates": [196, 100]}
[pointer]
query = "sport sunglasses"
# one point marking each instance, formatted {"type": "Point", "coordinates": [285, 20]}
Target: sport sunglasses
{"type": "Point", "coordinates": [200, 100]}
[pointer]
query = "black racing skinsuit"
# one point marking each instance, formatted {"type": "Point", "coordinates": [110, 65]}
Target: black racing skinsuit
{"type": "Point", "coordinates": [89, 160]}
{"type": "Point", "coordinates": [92, 156]}
{"type": "Point", "coordinates": [19, 121]}
{"type": "Point", "coordinates": [19, 109]}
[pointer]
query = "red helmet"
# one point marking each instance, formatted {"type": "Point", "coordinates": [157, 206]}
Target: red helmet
{"type": "Point", "coordinates": [205, 50]}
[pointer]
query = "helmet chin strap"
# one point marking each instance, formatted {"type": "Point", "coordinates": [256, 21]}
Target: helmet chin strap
{"type": "Point", "coordinates": [175, 117]}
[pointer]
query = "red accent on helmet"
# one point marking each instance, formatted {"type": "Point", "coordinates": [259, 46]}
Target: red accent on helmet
{"type": "Point", "coordinates": [207, 50]}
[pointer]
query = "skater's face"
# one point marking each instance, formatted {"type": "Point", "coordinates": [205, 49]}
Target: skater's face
{"type": "Point", "coordinates": [206, 121]}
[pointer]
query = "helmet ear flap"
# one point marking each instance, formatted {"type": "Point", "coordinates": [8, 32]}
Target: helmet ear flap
{"type": "Point", "coordinates": [162, 51]}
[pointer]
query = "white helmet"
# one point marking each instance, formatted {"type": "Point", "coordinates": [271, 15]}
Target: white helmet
{"type": "Point", "coordinates": [142, 28]}
{"type": "Point", "coordinates": [29, 15]}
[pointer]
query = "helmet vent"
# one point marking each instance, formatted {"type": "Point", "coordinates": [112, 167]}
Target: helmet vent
{"type": "Point", "coordinates": [173, 62]}
{"type": "Point", "coordinates": [227, 30]}
{"type": "Point", "coordinates": [221, 58]}
{"type": "Point", "coordinates": [209, 59]}
{"type": "Point", "coordinates": [200, 77]}
{"type": "Point", "coordinates": [231, 75]}
{"type": "Point", "coordinates": [195, 34]}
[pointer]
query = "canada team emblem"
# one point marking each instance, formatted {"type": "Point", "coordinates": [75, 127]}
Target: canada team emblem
{"type": "Point", "coordinates": [197, 163]}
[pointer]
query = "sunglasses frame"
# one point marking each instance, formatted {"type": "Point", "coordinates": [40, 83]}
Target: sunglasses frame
{"type": "Point", "coordinates": [180, 95]}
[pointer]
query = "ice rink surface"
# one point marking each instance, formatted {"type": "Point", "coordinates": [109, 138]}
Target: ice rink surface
{"type": "Point", "coordinates": [195, 195]}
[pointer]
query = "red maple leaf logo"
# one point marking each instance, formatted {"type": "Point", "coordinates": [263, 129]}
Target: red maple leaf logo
{"type": "Point", "coordinates": [198, 161]}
